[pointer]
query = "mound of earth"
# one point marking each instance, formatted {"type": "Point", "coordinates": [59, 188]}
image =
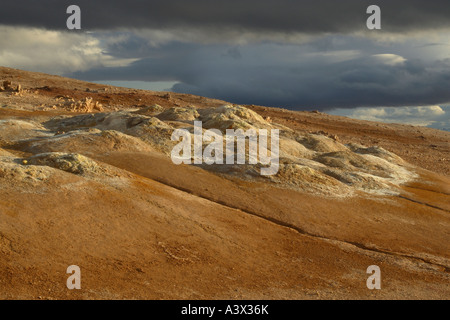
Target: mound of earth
{"type": "Point", "coordinates": [16, 130]}
{"type": "Point", "coordinates": [69, 162]}
{"type": "Point", "coordinates": [232, 117]}
{"type": "Point", "coordinates": [88, 141]}
{"type": "Point", "coordinates": [179, 114]}
{"type": "Point", "coordinates": [310, 162]}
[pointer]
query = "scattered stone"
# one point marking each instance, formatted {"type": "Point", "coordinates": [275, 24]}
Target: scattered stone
{"type": "Point", "coordinates": [7, 85]}
{"type": "Point", "coordinates": [85, 105]}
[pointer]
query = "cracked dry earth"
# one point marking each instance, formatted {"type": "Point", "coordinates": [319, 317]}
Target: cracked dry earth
{"type": "Point", "coordinates": [86, 179]}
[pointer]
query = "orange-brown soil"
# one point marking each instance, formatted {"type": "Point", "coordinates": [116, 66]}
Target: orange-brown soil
{"type": "Point", "coordinates": [140, 227]}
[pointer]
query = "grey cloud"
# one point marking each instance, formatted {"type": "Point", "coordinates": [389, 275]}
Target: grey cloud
{"type": "Point", "coordinates": [49, 51]}
{"type": "Point", "coordinates": [437, 117]}
{"type": "Point", "coordinates": [263, 16]}
{"type": "Point", "coordinates": [233, 53]}
{"type": "Point", "coordinates": [290, 76]}
{"type": "Point", "coordinates": [289, 53]}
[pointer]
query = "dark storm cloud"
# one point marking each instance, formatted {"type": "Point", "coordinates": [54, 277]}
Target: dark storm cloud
{"type": "Point", "coordinates": [295, 77]}
{"type": "Point", "coordinates": [288, 53]}
{"type": "Point", "coordinates": [348, 84]}
{"type": "Point", "coordinates": [256, 15]}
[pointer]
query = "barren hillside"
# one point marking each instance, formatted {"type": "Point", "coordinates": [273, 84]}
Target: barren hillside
{"type": "Point", "coordinates": [86, 179]}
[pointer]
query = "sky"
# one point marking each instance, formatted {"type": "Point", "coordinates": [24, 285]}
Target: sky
{"type": "Point", "coordinates": [299, 55]}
